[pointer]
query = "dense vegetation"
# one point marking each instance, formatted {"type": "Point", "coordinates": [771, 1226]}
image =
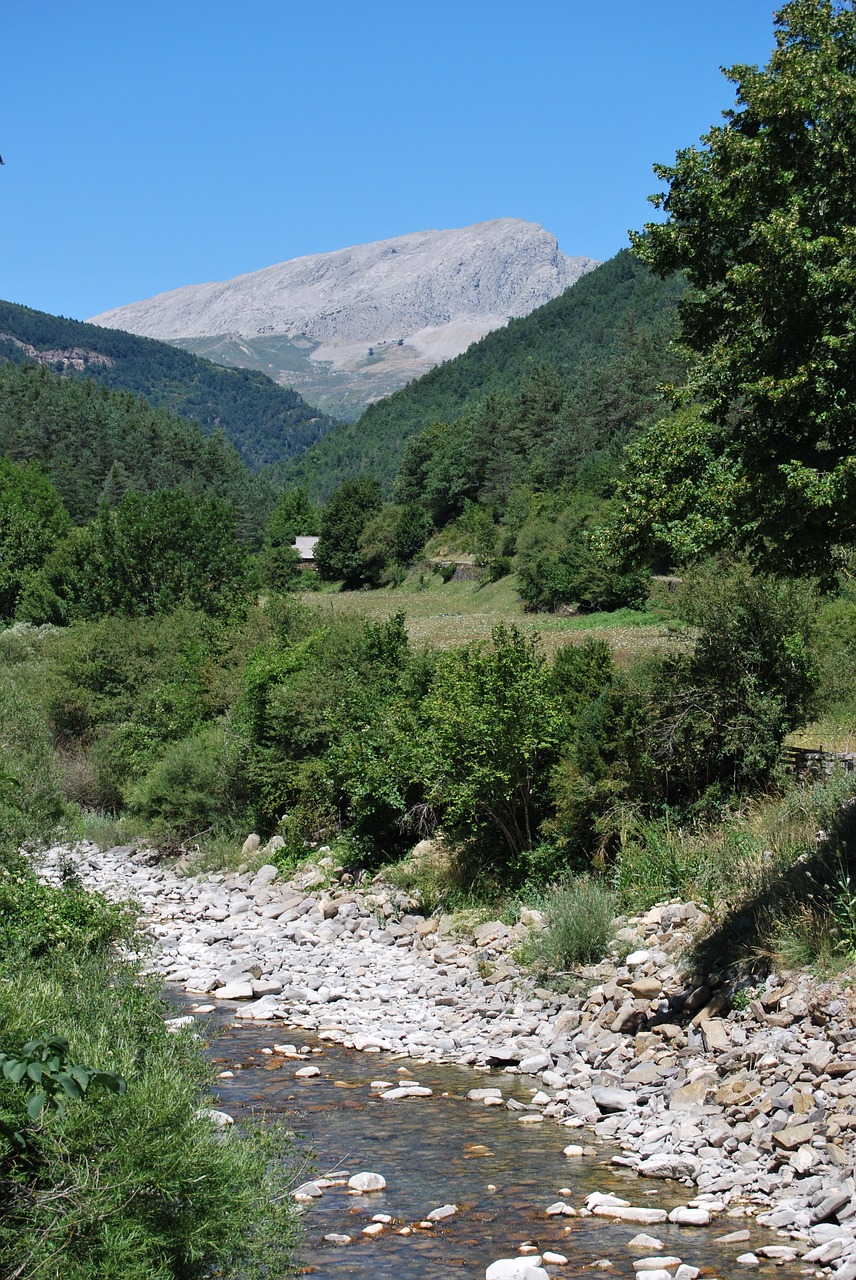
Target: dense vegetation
{"type": "Point", "coordinates": [109, 1165]}
{"type": "Point", "coordinates": [264, 422]}
{"type": "Point", "coordinates": [94, 445]}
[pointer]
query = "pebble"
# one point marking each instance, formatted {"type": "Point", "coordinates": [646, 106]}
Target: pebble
{"type": "Point", "coordinates": [443, 1211]}
{"type": "Point", "coordinates": [516, 1269]}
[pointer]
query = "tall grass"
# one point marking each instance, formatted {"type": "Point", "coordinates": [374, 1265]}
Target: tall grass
{"type": "Point", "coordinates": [579, 925]}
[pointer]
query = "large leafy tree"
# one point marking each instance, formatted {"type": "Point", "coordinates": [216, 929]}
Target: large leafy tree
{"type": "Point", "coordinates": [762, 220]}
{"type": "Point", "coordinates": [32, 521]}
{"type": "Point", "coordinates": [150, 554]}
{"type": "Point", "coordinates": [338, 552]}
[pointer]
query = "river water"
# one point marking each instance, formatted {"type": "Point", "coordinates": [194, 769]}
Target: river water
{"type": "Point", "coordinates": [444, 1149]}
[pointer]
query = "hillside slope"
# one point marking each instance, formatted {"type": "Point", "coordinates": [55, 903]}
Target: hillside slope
{"type": "Point", "coordinates": [94, 444]}
{"type": "Point", "coordinates": [617, 303]}
{"type": "Point", "coordinates": [348, 327]}
{"type": "Point", "coordinates": [265, 422]}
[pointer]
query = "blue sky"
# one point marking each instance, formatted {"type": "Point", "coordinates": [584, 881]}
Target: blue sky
{"type": "Point", "coordinates": [149, 146]}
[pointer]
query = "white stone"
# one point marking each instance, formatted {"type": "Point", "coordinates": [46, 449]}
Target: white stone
{"type": "Point", "coordinates": [686, 1217]}
{"type": "Point", "coordinates": [236, 991]}
{"type": "Point", "coordinates": [657, 1263]}
{"type": "Point", "coordinates": [367, 1182]}
{"type": "Point", "coordinates": [645, 1242]}
{"type": "Point", "coordinates": [647, 1217]}
{"type": "Point", "coordinates": [220, 1118]}
{"type": "Point", "coordinates": [310, 1189]}
{"type": "Point", "coordinates": [516, 1269]}
{"type": "Point", "coordinates": [444, 1211]}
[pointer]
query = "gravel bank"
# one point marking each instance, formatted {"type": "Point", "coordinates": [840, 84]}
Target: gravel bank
{"type": "Point", "coordinates": [752, 1108]}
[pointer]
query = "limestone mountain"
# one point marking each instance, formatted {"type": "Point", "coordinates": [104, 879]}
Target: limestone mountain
{"type": "Point", "coordinates": [349, 327]}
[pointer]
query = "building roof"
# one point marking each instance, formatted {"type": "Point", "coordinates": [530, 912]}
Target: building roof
{"type": "Point", "coordinates": [305, 547]}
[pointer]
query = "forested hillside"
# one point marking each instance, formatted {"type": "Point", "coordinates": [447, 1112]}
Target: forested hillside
{"type": "Point", "coordinates": [265, 422]}
{"type": "Point", "coordinates": [596, 326]}
{"type": "Point", "coordinates": [95, 444]}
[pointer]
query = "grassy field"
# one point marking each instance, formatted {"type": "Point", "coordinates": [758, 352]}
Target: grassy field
{"type": "Point", "coordinates": [446, 614]}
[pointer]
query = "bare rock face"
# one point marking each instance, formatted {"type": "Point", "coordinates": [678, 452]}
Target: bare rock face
{"type": "Point", "coordinates": [348, 327]}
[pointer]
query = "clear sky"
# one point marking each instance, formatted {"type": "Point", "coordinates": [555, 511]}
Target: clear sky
{"type": "Point", "coordinates": [149, 145]}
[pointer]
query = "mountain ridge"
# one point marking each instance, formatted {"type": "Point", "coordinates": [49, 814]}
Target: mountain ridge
{"type": "Point", "coordinates": [265, 422]}
{"type": "Point", "coordinates": [617, 306]}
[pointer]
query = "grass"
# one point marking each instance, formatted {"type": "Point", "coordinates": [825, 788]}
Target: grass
{"type": "Point", "coordinates": [456, 613]}
{"type": "Point", "coordinates": [130, 1187]}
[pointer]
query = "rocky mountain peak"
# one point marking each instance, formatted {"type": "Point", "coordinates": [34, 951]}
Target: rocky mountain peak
{"type": "Point", "coordinates": [350, 326]}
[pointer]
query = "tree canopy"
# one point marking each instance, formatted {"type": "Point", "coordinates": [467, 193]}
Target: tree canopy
{"type": "Point", "coordinates": [761, 221]}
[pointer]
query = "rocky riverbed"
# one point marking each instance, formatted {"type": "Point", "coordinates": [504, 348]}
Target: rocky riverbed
{"type": "Point", "coordinates": [750, 1108]}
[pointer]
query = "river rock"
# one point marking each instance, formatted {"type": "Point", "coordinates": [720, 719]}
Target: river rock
{"type": "Point", "coordinates": [671, 1165]}
{"type": "Point", "coordinates": [516, 1269]}
{"type": "Point", "coordinates": [444, 1211]}
{"type": "Point", "coordinates": [613, 1099]}
{"type": "Point", "coordinates": [689, 1217]}
{"type": "Point", "coordinates": [236, 991]}
{"type": "Point", "coordinates": [367, 1182]}
{"type": "Point", "coordinates": [644, 1242]}
{"type": "Point", "coordinates": [630, 1213]}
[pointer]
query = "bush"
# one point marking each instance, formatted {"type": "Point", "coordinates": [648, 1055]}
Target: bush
{"type": "Point", "coordinates": [579, 925]}
{"type": "Point", "coordinates": [494, 731]}
{"type": "Point", "coordinates": [721, 711]}
{"type": "Point", "coordinates": [189, 788]}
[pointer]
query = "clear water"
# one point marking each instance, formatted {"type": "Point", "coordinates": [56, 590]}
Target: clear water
{"type": "Point", "coordinates": [446, 1149]}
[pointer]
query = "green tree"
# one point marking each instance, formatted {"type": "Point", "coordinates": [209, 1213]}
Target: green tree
{"type": "Point", "coordinates": [495, 732]}
{"type": "Point", "coordinates": [760, 218]}
{"type": "Point", "coordinates": [677, 498]}
{"type": "Point", "coordinates": [721, 710]}
{"type": "Point", "coordinates": [150, 554]}
{"type": "Point", "coordinates": [338, 551]}
{"type": "Point", "coordinates": [32, 521]}
{"type": "Point", "coordinates": [293, 516]}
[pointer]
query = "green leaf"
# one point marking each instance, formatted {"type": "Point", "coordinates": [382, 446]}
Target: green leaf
{"type": "Point", "coordinates": [69, 1086]}
{"type": "Point", "coordinates": [82, 1076]}
{"type": "Point", "coordinates": [37, 1104]}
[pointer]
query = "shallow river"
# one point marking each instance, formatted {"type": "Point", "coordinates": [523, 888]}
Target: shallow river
{"type": "Point", "coordinates": [445, 1149]}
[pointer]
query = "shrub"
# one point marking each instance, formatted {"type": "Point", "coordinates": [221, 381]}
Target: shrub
{"type": "Point", "coordinates": [580, 918]}
{"type": "Point", "coordinates": [189, 788]}
{"type": "Point", "coordinates": [720, 711]}
{"type": "Point", "coordinates": [494, 731]}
